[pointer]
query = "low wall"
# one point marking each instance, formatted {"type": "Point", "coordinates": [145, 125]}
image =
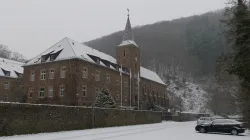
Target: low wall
{"type": "Point", "coordinates": [182, 117]}
{"type": "Point", "coordinates": [16, 119]}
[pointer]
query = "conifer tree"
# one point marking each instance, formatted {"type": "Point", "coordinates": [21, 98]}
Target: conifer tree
{"type": "Point", "coordinates": [104, 100]}
{"type": "Point", "coordinates": [238, 31]}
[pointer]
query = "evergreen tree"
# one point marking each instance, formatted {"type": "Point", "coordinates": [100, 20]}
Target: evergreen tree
{"type": "Point", "coordinates": [104, 100]}
{"type": "Point", "coordinates": [238, 25]}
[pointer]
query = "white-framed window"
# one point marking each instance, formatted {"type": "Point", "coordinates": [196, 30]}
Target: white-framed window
{"type": "Point", "coordinates": [6, 85]}
{"type": "Point", "coordinates": [97, 76]}
{"type": "Point", "coordinates": [41, 93]}
{"type": "Point", "coordinates": [84, 90]}
{"type": "Point", "coordinates": [84, 73]}
{"type": "Point", "coordinates": [43, 74]}
{"type": "Point", "coordinates": [63, 72]}
{"type": "Point", "coordinates": [31, 92]}
{"type": "Point", "coordinates": [32, 76]}
{"type": "Point", "coordinates": [51, 91]}
{"type": "Point", "coordinates": [108, 78]}
{"type": "Point", "coordinates": [62, 90]}
{"type": "Point", "coordinates": [51, 74]}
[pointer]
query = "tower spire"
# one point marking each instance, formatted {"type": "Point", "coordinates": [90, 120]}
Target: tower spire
{"type": "Point", "coordinates": [128, 30]}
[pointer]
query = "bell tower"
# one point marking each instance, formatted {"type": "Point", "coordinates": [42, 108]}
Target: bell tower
{"type": "Point", "coordinates": [128, 55]}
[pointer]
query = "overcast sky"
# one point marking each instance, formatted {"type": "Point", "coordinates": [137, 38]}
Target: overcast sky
{"type": "Point", "coordinates": [31, 26]}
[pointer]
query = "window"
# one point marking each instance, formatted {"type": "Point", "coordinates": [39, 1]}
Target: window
{"type": "Point", "coordinates": [6, 73]}
{"type": "Point", "coordinates": [32, 76]}
{"type": "Point", "coordinates": [50, 91]}
{"type": "Point", "coordinates": [117, 96]}
{"type": "Point", "coordinates": [52, 57]}
{"type": "Point", "coordinates": [5, 97]}
{"type": "Point", "coordinates": [31, 92]}
{"type": "Point", "coordinates": [96, 91]}
{"type": "Point", "coordinates": [135, 67]}
{"type": "Point", "coordinates": [124, 53]}
{"type": "Point", "coordinates": [117, 81]}
{"type": "Point", "coordinates": [108, 78]}
{"type": "Point", "coordinates": [51, 74]}
{"type": "Point", "coordinates": [62, 90]}
{"type": "Point", "coordinates": [41, 93]}
{"type": "Point", "coordinates": [63, 72]}
{"type": "Point", "coordinates": [144, 89]}
{"type": "Point", "coordinates": [43, 58]}
{"type": "Point", "coordinates": [125, 84]}
{"type": "Point", "coordinates": [98, 61]}
{"type": "Point", "coordinates": [84, 91]}
{"type": "Point", "coordinates": [6, 85]}
{"type": "Point", "coordinates": [125, 97]}
{"type": "Point", "coordinates": [97, 76]}
{"type": "Point", "coordinates": [84, 73]}
{"type": "Point", "coordinates": [43, 75]}
{"type": "Point", "coordinates": [219, 121]}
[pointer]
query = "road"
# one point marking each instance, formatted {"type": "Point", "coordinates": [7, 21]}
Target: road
{"type": "Point", "coordinates": [161, 131]}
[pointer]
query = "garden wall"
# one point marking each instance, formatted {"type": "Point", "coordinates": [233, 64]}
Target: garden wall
{"type": "Point", "coordinates": [182, 117]}
{"type": "Point", "coordinates": [29, 119]}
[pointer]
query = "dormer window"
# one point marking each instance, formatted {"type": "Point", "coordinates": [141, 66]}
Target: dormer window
{"type": "Point", "coordinates": [6, 73]}
{"type": "Point", "coordinates": [18, 74]}
{"type": "Point", "coordinates": [98, 61]}
{"type": "Point", "coordinates": [52, 57]}
{"type": "Point", "coordinates": [43, 58]}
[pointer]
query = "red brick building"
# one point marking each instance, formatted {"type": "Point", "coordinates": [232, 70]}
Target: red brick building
{"type": "Point", "coordinates": [72, 73]}
{"type": "Point", "coordinates": [10, 74]}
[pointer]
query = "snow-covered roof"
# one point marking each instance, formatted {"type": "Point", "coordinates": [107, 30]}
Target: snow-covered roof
{"type": "Point", "coordinates": [127, 42]}
{"type": "Point", "coordinates": [69, 49]}
{"type": "Point", "coordinates": [148, 74]}
{"type": "Point", "coordinates": [10, 68]}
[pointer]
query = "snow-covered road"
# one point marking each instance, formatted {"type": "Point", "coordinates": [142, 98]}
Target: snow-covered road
{"type": "Point", "coordinates": [161, 131]}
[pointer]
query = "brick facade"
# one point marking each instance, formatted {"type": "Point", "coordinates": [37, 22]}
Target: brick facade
{"type": "Point", "coordinates": [9, 90]}
{"type": "Point", "coordinates": [74, 82]}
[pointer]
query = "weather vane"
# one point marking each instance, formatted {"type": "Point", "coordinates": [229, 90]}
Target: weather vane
{"type": "Point", "coordinates": [128, 12]}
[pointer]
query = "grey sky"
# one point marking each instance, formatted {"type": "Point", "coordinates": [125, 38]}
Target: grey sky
{"type": "Point", "coordinates": [31, 26]}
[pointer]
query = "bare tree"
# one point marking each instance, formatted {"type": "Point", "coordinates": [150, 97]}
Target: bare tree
{"type": "Point", "coordinates": [17, 57]}
{"type": "Point", "coordinates": [4, 52]}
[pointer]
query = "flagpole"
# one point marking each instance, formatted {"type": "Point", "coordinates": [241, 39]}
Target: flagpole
{"type": "Point", "coordinates": [121, 84]}
{"type": "Point", "coordinates": [138, 91]}
{"type": "Point", "coordinates": [130, 88]}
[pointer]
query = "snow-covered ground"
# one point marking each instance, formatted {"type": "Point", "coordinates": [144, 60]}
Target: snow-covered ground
{"type": "Point", "coordinates": [161, 131]}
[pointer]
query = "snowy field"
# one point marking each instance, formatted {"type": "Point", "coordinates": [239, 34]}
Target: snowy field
{"type": "Point", "coordinates": [161, 131]}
